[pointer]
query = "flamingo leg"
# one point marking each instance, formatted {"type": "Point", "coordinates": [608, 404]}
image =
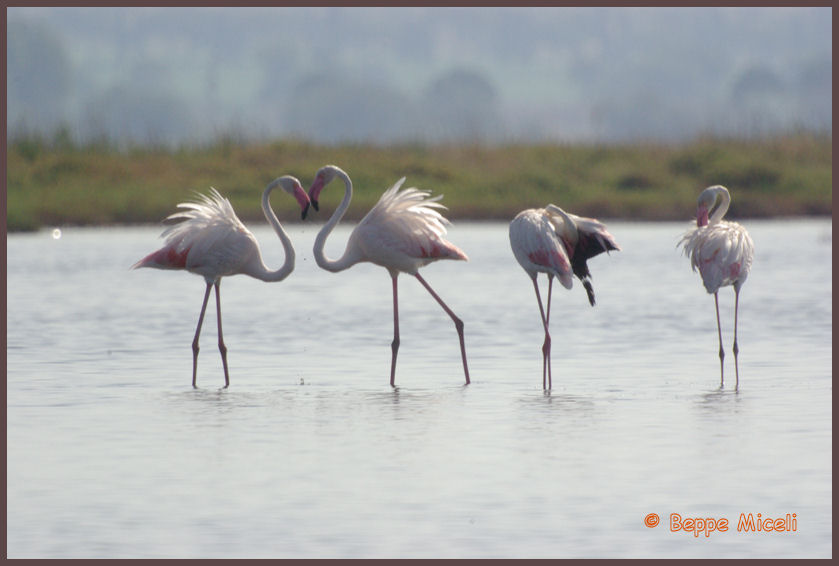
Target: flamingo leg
{"type": "Point", "coordinates": [719, 333]}
{"type": "Point", "coordinates": [550, 285]}
{"type": "Point", "coordinates": [394, 346]}
{"type": "Point", "coordinates": [547, 324]}
{"type": "Point", "coordinates": [198, 332]}
{"type": "Point", "coordinates": [458, 324]}
{"type": "Point", "coordinates": [546, 346]}
{"type": "Point", "coordinates": [736, 348]}
{"type": "Point", "coordinates": [221, 347]}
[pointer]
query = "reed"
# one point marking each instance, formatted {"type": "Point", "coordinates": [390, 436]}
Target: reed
{"type": "Point", "coordinates": [57, 183]}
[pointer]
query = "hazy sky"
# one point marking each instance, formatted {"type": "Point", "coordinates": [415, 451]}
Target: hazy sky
{"type": "Point", "coordinates": [385, 74]}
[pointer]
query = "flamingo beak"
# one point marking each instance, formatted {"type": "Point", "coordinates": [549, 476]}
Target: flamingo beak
{"type": "Point", "coordinates": [302, 200]}
{"type": "Point", "coordinates": [315, 189]}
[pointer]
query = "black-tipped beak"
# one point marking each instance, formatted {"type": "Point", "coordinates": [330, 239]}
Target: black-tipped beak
{"type": "Point", "coordinates": [315, 205]}
{"type": "Point", "coordinates": [305, 211]}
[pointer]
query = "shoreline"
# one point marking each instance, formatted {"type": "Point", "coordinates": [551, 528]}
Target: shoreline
{"type": "Point", "coordinates": [54, 183]}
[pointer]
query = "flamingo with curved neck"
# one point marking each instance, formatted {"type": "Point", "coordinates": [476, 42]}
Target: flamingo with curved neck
{"type": "Point", "coordinates": [722, 251]}
{"type": "Point", "coordinates": [212, 242]}
{"type": "Point", "coordinates": [402, 232]}
{"type": "Point", "coordinates": [551, 241]}
{"type": "Point", "coordinates": [716, 198]}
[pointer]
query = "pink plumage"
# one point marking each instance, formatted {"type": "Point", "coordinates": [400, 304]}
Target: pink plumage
{"type": "Point", "coordinates": [403, 232]}
{"type": "Point", "coordinates": [559, 244]}
{"type": "Point", "coordinates": [722, 251]}
{"type": "Point", "coordinates": [208, 239]}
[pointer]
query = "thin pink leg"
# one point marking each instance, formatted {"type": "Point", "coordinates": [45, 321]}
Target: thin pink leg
{"type": "Point", "coordinates": [546, 346]}
{"type": "Point", "coordinates": [394, 346]}
{"type": "Point", "coordinates": [198, 333]}
{"type": "Point", "coordinates": [548, 324]}
{"type": "Point", "coordinates": [736, 348]}
{"type": "Point", "coordinates": [550, 288]}
{"type": "Point", "coordinates": [719, 333]}
{"type": "Point", "coordinates": [221, 347]}
{"type": "Point", "coordinates": [458, 324]}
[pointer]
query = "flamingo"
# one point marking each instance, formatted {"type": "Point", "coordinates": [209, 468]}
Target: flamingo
{"type": "Point", "coordinates": [723, 252]}
{"type": "Point", "coordinates": [212, 242]}
{"type": "Point", "coordinates": [551, 241]}
{"type": "Point", "coordinates": [402, 233]}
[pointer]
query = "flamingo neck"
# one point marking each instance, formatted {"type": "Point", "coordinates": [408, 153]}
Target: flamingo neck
{"type": "Point", "coordinates": [259, 270]}
{"type": "Point", "coordinates": [722, 207]}
{"type": "Point", "coordinates": [350, 257]}
{"type": "Point", "coordinates": [568, 229]}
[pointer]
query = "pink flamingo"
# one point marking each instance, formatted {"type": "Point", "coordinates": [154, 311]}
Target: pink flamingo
{"type": "Point", "coordinates": [212, 242]}
{"type": "Point", "coordinates": [402, 233]}
{"type": "Point", "coordinates": [723, 253]}
{"type": "Point", "coordinates": [551, 241]}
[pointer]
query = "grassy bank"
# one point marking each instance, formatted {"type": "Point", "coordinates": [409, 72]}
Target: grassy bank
{"type": "Point", "coordinates": [57, 183]}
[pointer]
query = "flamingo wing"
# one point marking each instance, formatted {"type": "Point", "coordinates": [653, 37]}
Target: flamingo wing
{"type": "Point", "coordinates": [587, 237]}
{"type": "Point", "coordinates": [594, 238]}
{"type": "Point", "coordinates": [722, 253]}
{"type": "Point", "coordinates": [537, 246]}
{"type": "Point", "coordinates": [405, 227]}
{"type": "Point", "coordinates": [208, 239]}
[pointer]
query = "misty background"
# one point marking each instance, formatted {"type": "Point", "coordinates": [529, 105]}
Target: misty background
{"type": "Point", "coordinates": [494, 75]}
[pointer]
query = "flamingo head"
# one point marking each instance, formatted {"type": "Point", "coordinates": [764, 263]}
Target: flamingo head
{"type": "Point", "coordinates": [707, 200]}
{"type": "Point", "coordinates": [322, 178]}
{"type": "Point", "coordinates": [302, 200]}
{"type": "Point", "coordinates": [704, 204]}
{"type": "Point", "coordinates": [293, 187]}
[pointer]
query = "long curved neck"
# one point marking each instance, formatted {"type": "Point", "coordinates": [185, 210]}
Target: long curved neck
{"type": "Point", "coordinates": [569, 227]}
{"type": "Point", "coordinates": [722, 207]}
{"type": "Point", "coordinates": [349, 258]}
{"type": "Point", "coordinates": [260, 271]}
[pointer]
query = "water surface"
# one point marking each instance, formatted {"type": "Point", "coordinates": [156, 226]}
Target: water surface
{"type": "Point", "coordinates": [310, 453]}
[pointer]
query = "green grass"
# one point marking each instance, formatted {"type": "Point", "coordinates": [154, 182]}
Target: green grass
{"type": "Point", "coordinates": [57, 183]}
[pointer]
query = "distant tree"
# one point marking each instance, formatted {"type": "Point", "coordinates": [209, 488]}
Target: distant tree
{"type": "Point", "coordinates": [38, 78]}
{"type": "Point", "coordinates": [126, 115]}
{"type": "Point", "coordinates": [332, 107]}
{"type": "Point", "coordinates": [813, 87]}
{"type": "Point", "coordinates": [756, 81]}
{"type": "Point", "coordinates": [462, 105]}
{"type": "Point", "coordinates": [644, 113]}
{"type": "Point", "coordinates": [759, 101]}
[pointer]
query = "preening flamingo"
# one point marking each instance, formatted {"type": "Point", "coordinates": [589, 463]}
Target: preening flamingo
{"type": "Point", "coordinates": [723, 253]}
{"type": "Point", "coordinates": [402, 233]}
{"type": "Point", "coordinates": [551, 241]}
{"type": "Point", "coordinates": [211, 241]}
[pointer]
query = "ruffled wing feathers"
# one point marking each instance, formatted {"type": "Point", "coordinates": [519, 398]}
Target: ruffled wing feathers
{"type": "Point", "coordinates": [202, 222]}
{"type": "Point", "coordinates": [206, 236]}
{"type": "Point", "coordinates": [408, 220]}
{"type": "Point", "coordinates": [721, 252]}
{"type": "Point", "coordinates": [537, 246]}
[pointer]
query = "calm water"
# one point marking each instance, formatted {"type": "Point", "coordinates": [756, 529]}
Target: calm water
{"type": "Point", "coordinates": [310, 453]}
